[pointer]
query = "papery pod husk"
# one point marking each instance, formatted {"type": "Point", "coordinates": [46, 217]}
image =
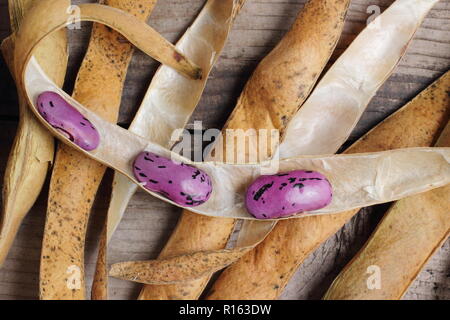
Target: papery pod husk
{"type": "Point", "coordinates": [381, 177]}
{"type": "Point", "coordinates": [409, 234]}
{"type": "Point", "coordinates": [375, 177]}
{"type": "Point", "coordinates": [160, 271]}
{"type": "Point", "coordinates": [333, 133]}
{"type": "Point", "coordinates": [56, 14]}
{"type": "Point", "coordinates": [33, 148]}
{"type": "Point", "coordinates": [264, 272]}
{"type": "Point", "coordinates": [76, 178]}
{"type": "Point", "coordinates": [167, 106]}
{"type": "Point", "coordinates": [275, 91]}
{"type": "Point", "coordinates": [323, 123]}
{"type": "Point", "coordinates": [171, 98]}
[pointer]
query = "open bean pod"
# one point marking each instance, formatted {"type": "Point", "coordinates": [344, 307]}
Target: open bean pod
{"type": "Point", "coordinates": [370, 178]}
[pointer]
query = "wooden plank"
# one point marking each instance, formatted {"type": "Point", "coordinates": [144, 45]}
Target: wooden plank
{"type": "Point", "coordinates": [149, 222]}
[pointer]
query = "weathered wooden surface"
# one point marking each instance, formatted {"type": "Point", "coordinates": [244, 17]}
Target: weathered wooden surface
{"type": "Point", "coordinates": [148, 222]}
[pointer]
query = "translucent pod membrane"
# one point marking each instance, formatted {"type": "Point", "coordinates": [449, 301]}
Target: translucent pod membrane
{"type": "Point", "coordinates": [171, 98]}
{"type": "Point", "coordinates": [370, 178]}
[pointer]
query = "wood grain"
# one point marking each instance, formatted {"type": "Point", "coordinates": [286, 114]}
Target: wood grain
{"type": "Point", "coordinates": [148, 222]}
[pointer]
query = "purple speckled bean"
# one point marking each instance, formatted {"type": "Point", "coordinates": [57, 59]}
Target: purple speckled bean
{"type": "Point", "coordinates": [285, 194]}
{"type": "Point", "coordinates": [68, 120]}
{"type": "Point", "coordinates": [179, 182]}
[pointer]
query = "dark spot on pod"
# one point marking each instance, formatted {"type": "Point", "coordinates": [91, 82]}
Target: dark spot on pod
{"type": "Point", "coordinates": [153, 181]}
{"type": "Point", "coordinates": [161, 167]}
{"type": "Point", "coordinates": [178, 57]}
{"type": "Point", "coordinates": [143, 175]}
{"type": "Point", "coordinates": [298, 185]}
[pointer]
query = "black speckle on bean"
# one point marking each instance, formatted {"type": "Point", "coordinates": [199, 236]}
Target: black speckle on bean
{"type": "Point", "coordinates": [261, 191]}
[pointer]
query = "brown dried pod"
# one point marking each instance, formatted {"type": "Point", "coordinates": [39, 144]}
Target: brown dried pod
{"type": "Point", "coordinates": [284, 250]}
{"type": "Point", "coordinates": [409, 234]}
{"type": "Point", "coordinates": [33, 148]}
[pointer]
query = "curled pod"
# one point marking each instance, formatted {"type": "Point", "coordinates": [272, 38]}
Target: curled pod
{"type": "Point", "coordinates": [179, 182]}
{"type": "Point", "coordinates": [285, 194]}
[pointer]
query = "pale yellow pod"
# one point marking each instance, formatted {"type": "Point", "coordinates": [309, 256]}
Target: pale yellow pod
{"type": "Point", "coordinates": [361, 70]}
{"type": "Point", "coordinates": [171, 98]}
{"type": "Point", "coordinates": [264, 272]}
{"type": "Point", "coordinates": [76, 178]}
{"type": "Point", "coordinates": [33, 148]}
{"type": "Point", "coordinates": [167, 106]}
{"type": "Point", "coordinates": [276, 90]}
{"type": "Point", "coordinates": [409, 234]}
{"type": "Point", "coordinates": [382, 177]}
{"type": "Point", "coordinates": [375, 177]}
